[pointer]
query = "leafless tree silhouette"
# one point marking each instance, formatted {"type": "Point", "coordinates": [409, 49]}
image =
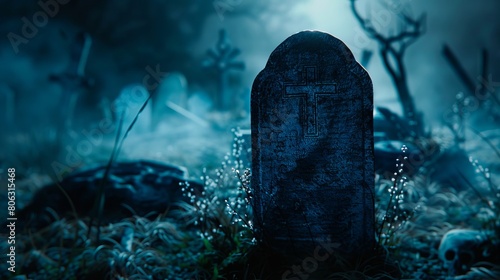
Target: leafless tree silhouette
{"type": "Point", "coordinates": [392, 50]}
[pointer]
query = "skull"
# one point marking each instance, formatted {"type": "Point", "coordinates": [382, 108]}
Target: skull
{"type": "Point", "coordinates": [461, 248]}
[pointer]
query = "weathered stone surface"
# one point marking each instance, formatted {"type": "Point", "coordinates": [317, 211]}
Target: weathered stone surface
{"type": "Point", "coordinates": [312, 144]}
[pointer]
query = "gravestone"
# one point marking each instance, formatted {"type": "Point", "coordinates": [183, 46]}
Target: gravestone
{"type": "Point", "coordinates": [312, 145]}
{"type": "Point", "coordinates": [128, 103]}
{"type": "Point", "coordinates": [172, 91]}
{"type": "Point", "coordinates": [201, 104]}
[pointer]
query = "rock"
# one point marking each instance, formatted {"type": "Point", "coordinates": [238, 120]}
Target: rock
{"type": "Point", "coordinates": [452, 168]}
{"type": "Point", "coordinates": [137, 187]}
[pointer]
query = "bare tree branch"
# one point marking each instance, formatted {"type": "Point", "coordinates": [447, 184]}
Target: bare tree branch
{"type": "Point", "coordinates": [392, 50]}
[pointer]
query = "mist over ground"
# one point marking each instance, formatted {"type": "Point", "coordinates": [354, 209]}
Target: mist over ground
{"type": "Point", "coordinates": [144, 98]}
{"type": "Point", "coordinates": [174, 36]}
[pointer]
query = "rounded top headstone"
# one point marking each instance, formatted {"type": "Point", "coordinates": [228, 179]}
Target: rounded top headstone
{"type": "Point", "coordinates": [312, 147]}
{"type": "Point", "coordinates": [311, 41]}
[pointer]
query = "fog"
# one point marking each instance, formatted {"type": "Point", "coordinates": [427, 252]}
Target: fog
{"type": "Point", "coordinates": [174, 36]}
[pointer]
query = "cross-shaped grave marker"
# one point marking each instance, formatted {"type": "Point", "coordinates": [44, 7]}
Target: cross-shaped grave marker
{"type": "Point", "coordinates": [73, 80]}
{"type": "Point", "coordinates": [222, 61]}
{"type": "Point", "coordinates": [309, 93]}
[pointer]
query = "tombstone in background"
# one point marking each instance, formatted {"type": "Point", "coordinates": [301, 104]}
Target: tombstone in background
{"type": "Point", "coordinates": [312, 144]}
{"type": "Point", "coordinates": [128, 103]}
{"type": "Point", "coordinates": [173, 90]}
{"type": "Point", "coordinates": [200, 104]}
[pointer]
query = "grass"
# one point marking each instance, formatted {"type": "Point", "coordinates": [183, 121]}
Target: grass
{"type": "Point", "coordinates": [212, 236]}
{"type": "Point", "coordinates": [440, 209]}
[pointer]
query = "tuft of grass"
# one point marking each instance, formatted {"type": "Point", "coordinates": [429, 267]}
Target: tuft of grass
{"type": "Point", "coordinates": [100, 199]}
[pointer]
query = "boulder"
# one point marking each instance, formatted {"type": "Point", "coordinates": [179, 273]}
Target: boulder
{"type": "Point", "coordinates": [136, 187]}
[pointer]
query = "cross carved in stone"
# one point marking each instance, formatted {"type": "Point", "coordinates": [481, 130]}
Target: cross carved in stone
{"type": "Point", "coordinates": [309, 91]}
